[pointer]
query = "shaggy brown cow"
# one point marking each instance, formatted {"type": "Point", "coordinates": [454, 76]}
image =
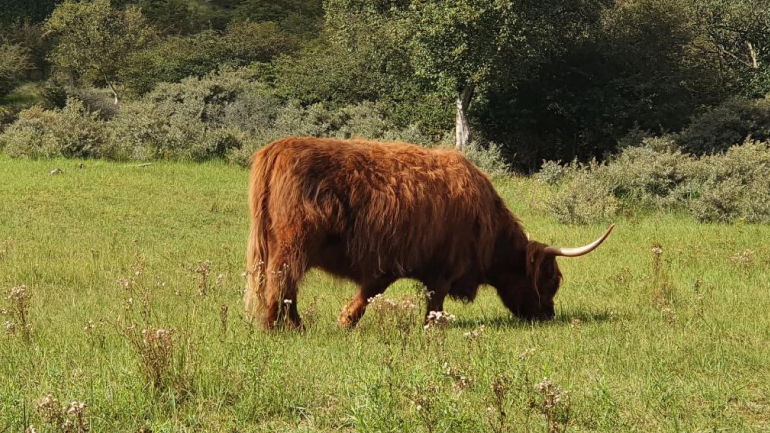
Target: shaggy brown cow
{"type": "Point", "coordinates": [376, 212]}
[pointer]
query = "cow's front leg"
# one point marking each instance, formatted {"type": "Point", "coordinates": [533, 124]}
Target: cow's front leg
{"type": "Point", "coordinates": [353, 312]}
{"type": "Point", "coordinates": [435, 295]}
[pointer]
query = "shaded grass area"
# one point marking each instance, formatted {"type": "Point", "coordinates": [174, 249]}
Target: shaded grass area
{"type": "Point", "coordinates": [676, 341]}
{"type": "Point", "coordinates": [23, 96]}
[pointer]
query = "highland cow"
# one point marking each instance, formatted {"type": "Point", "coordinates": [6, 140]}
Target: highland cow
{"type": "Point", "coordinates": [376, 212]}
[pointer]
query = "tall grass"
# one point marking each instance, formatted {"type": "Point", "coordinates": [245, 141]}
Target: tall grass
{"type": "Point", "coordinates": [614, 359]}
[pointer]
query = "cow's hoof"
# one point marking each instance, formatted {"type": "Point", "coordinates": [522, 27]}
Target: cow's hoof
{"type": "Point", "coordinates": [346, 321]}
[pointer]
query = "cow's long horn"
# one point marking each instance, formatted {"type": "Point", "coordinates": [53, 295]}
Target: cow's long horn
{"type": "Point", "coordinates": [579, 251]}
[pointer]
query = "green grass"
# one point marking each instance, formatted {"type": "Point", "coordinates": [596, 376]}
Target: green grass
{"type": "Point", "coordinates": [692, 357]}
{"type": "Point", "coordinates": [23, 96]}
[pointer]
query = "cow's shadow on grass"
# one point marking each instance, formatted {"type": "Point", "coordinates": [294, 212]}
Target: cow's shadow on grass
{"type": "Point", "coordinates": [566, 318]}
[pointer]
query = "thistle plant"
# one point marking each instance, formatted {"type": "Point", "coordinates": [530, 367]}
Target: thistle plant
{"type": "Point", "coordinates": [17, 313]}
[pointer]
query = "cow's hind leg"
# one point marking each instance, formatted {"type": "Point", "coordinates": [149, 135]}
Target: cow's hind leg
{"type": "Point", "coordinates": [353, 312]}
{"type": "Point", "coordinates": [283, 275]}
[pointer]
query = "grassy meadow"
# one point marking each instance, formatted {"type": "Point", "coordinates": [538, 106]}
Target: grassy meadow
{"type": "Point", "coordinates": [663, 328]}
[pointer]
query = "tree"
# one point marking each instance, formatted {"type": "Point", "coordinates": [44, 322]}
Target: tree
{"type": "Point", "coordinates": [735, 35]}
{"type": "Point", "coordinates": [461, 46]}
{"type": "Point", "coordinates": [183, 16]}
{"type": "Point", "coordinates": [94, 40]}
{"type": "Point", "coordinates": [33, 11]}
{"type": "Point", "coordinates": [14, 62]}
{"type": "Point", "coordinates": [634, 71]}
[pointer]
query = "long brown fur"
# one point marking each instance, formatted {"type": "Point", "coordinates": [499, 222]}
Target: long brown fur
{"type": "Point", "coordinates": [376, 212]}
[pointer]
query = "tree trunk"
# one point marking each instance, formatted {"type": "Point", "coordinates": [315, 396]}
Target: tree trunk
{"type": "Point", "coordinates": [462, 128]}
{"type": "Point", "coordinates": [752, 55]}
{"type": "Point", "coordinates": [112, 88]}
{"type": "Point", "coordinates": [114, 95]}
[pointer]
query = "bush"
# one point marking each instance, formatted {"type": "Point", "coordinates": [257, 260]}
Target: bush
{"type": "Point", "coordinates": [733, 185]}
{"type": "Point", "coordinates": [653, 174]}
{"type": "Point", "coordinates": [179, 57]}
{"type": "Point", "coordinates": [726, 125]}
{"type": "Point", "coordinates": [720, 188]}
{"type": "Point", "coordinates": [552, 172]}
{"type": "Point", "coordinates": [53, 94]}
{"type": "Point", "coordinates": [95, 100]}
{"type": "Point", "coordinates": [585, 198]}
{"type": "Point", "coordinates": [720, 202]}
{"type": "Point", "coordinates": [366, 121]}
{"type": "Point", "coordinates": [257, 42]}
{"type": "Point", "coordinates": [178, 120]}
{"type": "Point", "coordinates": [224, 115]}
{"type": "Point", "coordinates": [69, 132]}
{"type": "Point", "coordinates": [489, 159]}
{"type": "Point", "coordinates": [217, 143]}
{"type": "Point", "coordinates": [253, 111]}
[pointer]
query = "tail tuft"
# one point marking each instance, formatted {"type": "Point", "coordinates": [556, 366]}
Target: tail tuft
{"type": "Point", "coordinates": [257, 252]}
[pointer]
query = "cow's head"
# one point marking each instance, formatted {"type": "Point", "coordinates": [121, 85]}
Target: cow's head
{"type": "Point", "coordinates": [529, 294]}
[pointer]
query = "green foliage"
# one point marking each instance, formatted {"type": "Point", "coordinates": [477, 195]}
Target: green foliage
{"type": "Point", "coordinates": [68, 132]}
{"type": "Point", "coordinates": [257, 42]}
{"type": "Point", "coordinates": [726, 125]}
{"type": "Point", "coordinates": [172, 60]}
{"type": "Point", "coordinates": [94, 40]}
{"type": "Point", "coordinates": [228, 114]}
{"type": "Point", "coordinates": [326, 72]}
{"type": "Point", "coordinates": [488, 158]}
{"type": "Point", "coordinates": [734, 185]}
{"type": "Point", "coordinates": [548, 80]}
{"type": "Point", "coordinates": [182, 16]}
{"type": "Point", "coordinates": [469, 42]}
{"type": "Point", "coordinates": [552, 172]}
{"type": "Point", "coordinates": [285, 12]}
{"type": "Point", "coordinates": [30, 37]}
{"type": "Point", "coordinates": [635, 70]}
{"type": "Point", "coordinates": [734, 36]}
{"type": "Point", "coordinates": [584, 199]}
{"type": "Point", "coordinates": [28, 10]}
{"type": "Point", "coordinates": [655, 174]}
{"type": "Point", "coordinates": [174, 120]}
{"type": "Point", "coordinates": [178, 57]}
{"type": "Point", "coordinates": [723, 187]}
{"type": "Point", "coordinates": [14, 63]}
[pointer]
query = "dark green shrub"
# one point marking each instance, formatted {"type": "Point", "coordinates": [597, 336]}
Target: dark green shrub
{"type": "Point", "coordinates": [14, 63]}
{"type": "Point", "coordinates": [217, 143]}
{"type": "Point", "coordinates": [257, 42]}
{"type": "Point", "coordinates": [174, 59]}
{"type": "Point", "coordinates": [726, 125]}
{"type": "Point", "coordinates": [54, 95]}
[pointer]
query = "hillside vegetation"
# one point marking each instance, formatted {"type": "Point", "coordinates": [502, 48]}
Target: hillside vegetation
{"type": "Point", "coordinates": [547, 80]}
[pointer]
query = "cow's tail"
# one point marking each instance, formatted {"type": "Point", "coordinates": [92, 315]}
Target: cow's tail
{"type": "Point", "coordinates": [257, 251]}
